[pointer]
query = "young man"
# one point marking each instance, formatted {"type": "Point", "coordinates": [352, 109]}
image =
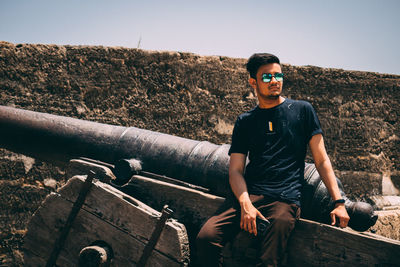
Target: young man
{"type": "Point", "coordinates": [275, 136]}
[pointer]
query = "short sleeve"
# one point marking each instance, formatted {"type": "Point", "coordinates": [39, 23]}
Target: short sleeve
{"type": "Point", "coordinates": [313, 126]}
{"type": "Point", "coordinates": [239, 138]}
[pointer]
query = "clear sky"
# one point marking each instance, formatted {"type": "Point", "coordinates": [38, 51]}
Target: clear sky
{"type": "Point", "coordinates": [354, 34]}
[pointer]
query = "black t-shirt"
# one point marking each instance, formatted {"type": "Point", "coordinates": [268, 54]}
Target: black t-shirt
{"type": "Point", "coordinates": [275, 141]}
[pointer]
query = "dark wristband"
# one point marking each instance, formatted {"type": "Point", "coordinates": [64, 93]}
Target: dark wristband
{"type": "Point", "coordinates": [339, 201]}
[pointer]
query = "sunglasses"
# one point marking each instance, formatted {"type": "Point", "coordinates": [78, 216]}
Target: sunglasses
{"type": "Point", "coordinates": [267, 77]}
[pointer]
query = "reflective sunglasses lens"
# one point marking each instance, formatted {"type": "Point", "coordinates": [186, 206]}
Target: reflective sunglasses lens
{"type": "Point", "coordinates": [266, 77]}
{"type": "Point", "coordinates": [279, 76]}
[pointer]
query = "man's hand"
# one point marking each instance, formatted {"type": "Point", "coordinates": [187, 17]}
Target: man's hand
{"type": "Point", "coordinates": [248, 217]}
{"type": "Point", "coordinates": [340, 213]}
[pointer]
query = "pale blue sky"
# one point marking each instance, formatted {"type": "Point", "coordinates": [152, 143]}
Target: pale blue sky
{"type": "Point", "coordinates": [354, 35]}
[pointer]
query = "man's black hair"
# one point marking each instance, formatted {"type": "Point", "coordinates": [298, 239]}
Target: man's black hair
{"type": "Point", "coordinates": [259, 59]}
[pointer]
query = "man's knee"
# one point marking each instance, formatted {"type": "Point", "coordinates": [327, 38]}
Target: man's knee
{"type": "Point", "coordinates": [208, 246]}
{"type": "Point", "coordinates": [207, 235]}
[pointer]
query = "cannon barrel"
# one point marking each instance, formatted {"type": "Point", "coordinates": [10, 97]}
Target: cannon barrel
{"type": "Point", "coordinates": [58, 139]}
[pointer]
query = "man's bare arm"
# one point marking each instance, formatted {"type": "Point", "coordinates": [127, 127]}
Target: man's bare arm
{"type": "Point", "coordinates": [238, 185]}
{"type": "Point", "coordinates": [324, 167]}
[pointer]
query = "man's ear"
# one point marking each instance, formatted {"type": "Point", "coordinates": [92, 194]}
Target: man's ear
{"type": "Point", "coordinates": [253, 83]}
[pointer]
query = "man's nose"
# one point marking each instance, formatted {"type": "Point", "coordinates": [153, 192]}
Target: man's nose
{"type": "Point", "coordinates": [273, 79]}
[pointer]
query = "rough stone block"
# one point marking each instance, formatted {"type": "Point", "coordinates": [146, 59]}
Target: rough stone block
{"type": "Point", "coordinates": [388, 224]}
{"type": "Point", "coordinates": [359, 185]}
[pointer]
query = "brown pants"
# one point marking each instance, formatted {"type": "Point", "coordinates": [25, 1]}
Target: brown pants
{"type": "Point", "coordinates": [224, 226]}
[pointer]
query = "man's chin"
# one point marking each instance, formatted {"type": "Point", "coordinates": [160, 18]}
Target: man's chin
{"type": "Point", "coordinates": [273, 97]}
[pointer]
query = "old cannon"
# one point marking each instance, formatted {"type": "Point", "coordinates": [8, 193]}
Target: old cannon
{"type": "Point", "coordinates": [58, 139]}
{"type": "Point", "coordinates": [138, 156]}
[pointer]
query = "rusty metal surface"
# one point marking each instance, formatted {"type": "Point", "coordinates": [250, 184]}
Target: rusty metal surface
{"type": "Point", "coordinates": [58, 139]}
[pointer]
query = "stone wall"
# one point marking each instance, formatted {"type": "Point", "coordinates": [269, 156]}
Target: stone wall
{"type": "Point", "coordinates": [190, 96]}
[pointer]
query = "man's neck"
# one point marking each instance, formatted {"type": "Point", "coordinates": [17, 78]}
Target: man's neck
{"type": "Point", "coordinates": [270, 103]}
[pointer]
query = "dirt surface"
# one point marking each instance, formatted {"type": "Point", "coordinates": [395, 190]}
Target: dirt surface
{"type": "Point", "coordinates": [186, 95]}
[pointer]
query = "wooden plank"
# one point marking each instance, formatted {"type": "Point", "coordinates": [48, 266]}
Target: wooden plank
{"type": "Point", "coordinates": [131, 215]}
{"type": "Point", "coordinates": [325, 245]}
{"type": "Point", "coordinates": [115, 228]}
{"type": "Point", "coordinates": [186, 202]}
{"type": "Point", "coordinates": [83, 167]}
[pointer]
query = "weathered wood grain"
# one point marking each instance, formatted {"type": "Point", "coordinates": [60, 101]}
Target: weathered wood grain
{"type": "Point", "coordinates": [129, 214]}
{"type": "Point", "coordinates": [182, 199]}
{"type": "Point", "coordinates": [82, 167]}
{"type": "Point", "coordinates": [317, 244]}
{"type": "Point", "coordinates": [108, 215]}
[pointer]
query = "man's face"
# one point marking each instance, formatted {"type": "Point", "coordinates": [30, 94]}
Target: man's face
{"type": "Point", "coordinates": [267, 90]}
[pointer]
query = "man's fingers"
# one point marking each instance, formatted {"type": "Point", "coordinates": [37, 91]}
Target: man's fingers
{"type": "Point", "coordinates": [254, 227]}
{"type": "Point", "coordinates": [245, 224]}
{"type": "Point", "coordinates": [344, 222]}
{"type": "Point", "coordinates": [259, 214]}
{"type": "Point", "coordinates": [333, 218]}
{"type": "Point", "coordinates": [340, 217]}
{"type": "Point", "coordinates": [249, 227]}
